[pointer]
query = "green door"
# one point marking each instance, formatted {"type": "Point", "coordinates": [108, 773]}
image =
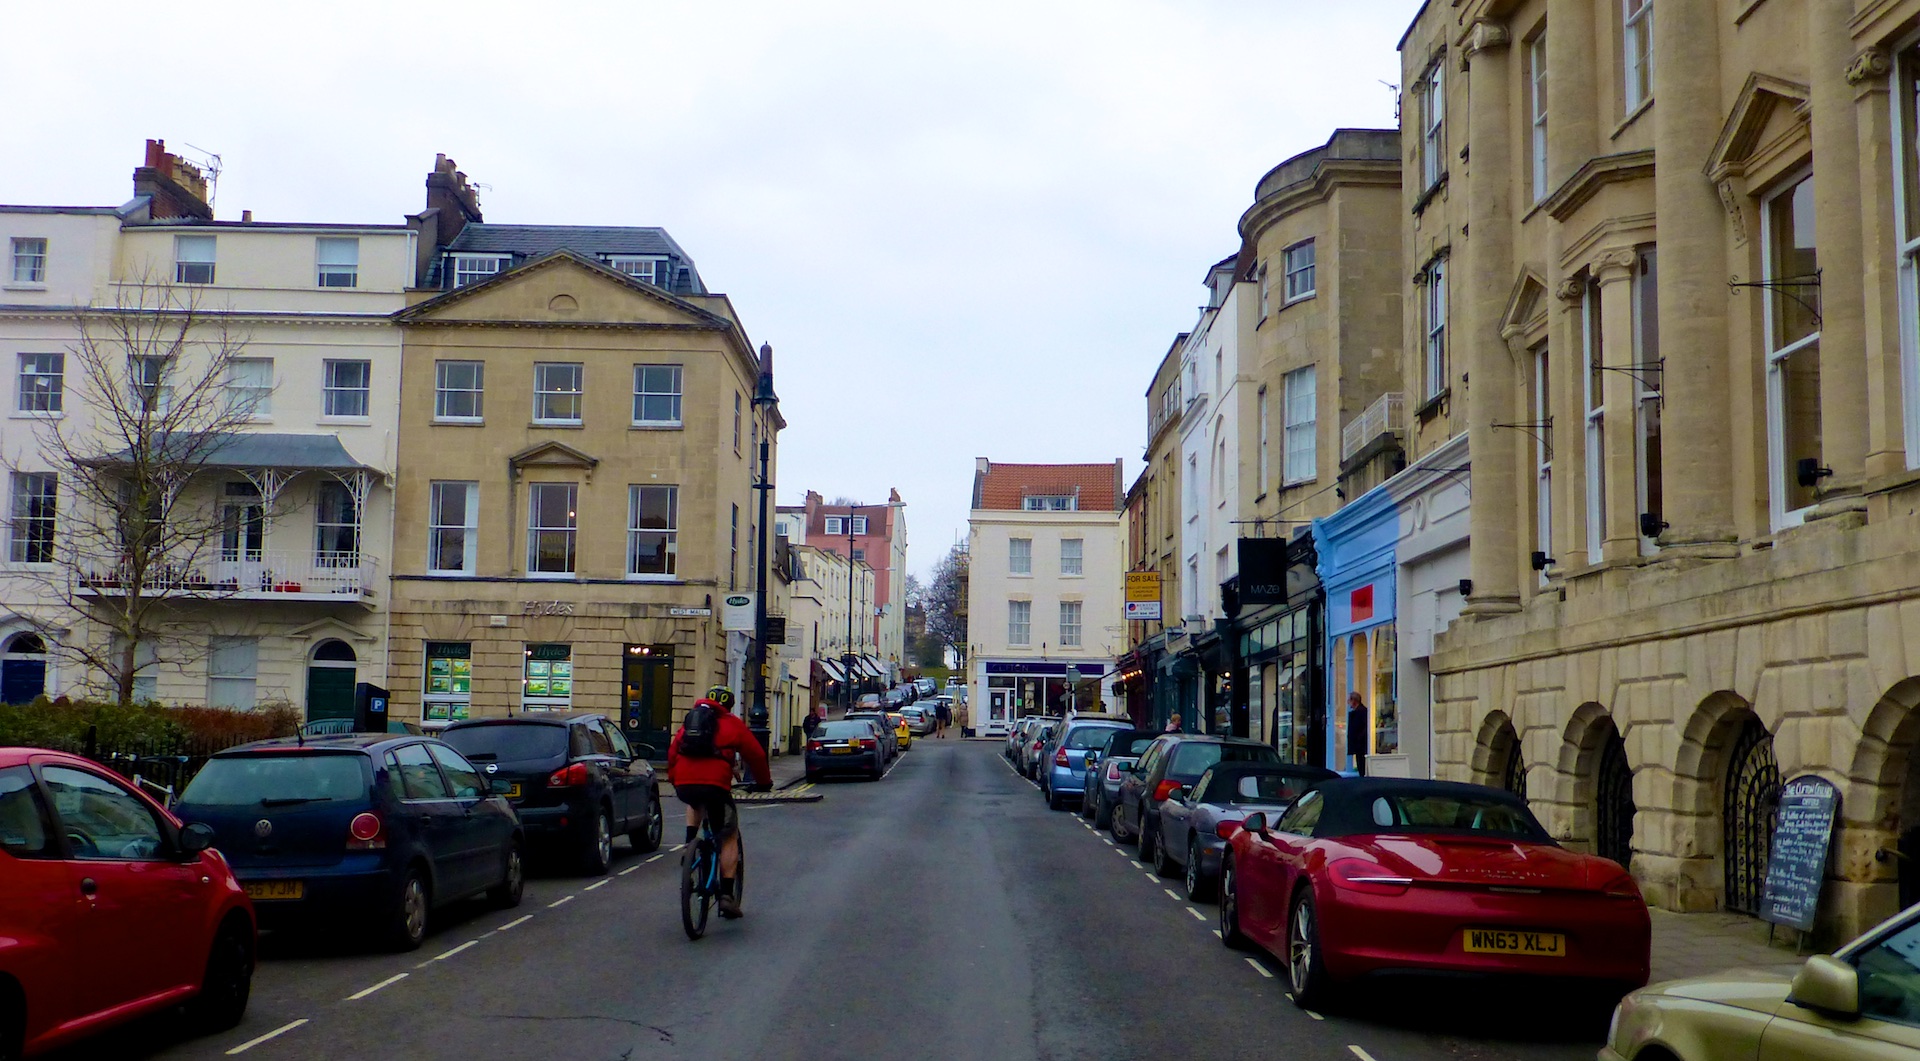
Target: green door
{"type": "Point", "coordinates": [329, 692]}
{"type": "Point", "coordinates": [647, 715]}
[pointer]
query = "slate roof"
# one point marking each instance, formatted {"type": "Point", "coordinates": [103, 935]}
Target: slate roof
{"type": "Point", "coordinates": [266, 449]}
{"type": "Point", "coordinates": [526, 242]}
{"type": "Point", "coordinates": [1006, 486]}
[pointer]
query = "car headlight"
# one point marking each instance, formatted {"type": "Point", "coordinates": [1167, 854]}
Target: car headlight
{"type": "Point", "coordinates": [1620, 1014]}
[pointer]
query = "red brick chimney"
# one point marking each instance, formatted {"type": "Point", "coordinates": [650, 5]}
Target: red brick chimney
{"type": "Point", "coordinates": [176, 186]}
{"type": "Point", "coordinates": [450, 194]}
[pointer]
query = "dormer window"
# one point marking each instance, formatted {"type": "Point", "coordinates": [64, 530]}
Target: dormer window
{"type": "Point", "coordinates": [473, 268]}
{"type": "Point", "coordinates": [1049, 503]}
{"type": "Point", "coordinates": [652, 270]}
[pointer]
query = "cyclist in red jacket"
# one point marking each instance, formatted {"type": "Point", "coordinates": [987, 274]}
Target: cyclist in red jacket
{"type": "Point", "coordinates": [705, 782]}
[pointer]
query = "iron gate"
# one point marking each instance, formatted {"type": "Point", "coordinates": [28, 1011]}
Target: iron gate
{"type": "Point", "coordinates": [1514, 777]}
{"type": "Point", "coordinates": [1613, 802]}
{"type": "Point", "coordinates": [1752, 798]}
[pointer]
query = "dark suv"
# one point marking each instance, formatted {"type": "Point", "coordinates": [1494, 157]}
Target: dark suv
{"type": "Point", "coordinates": [362, 830]}
{"type": "Point", "coordinates": [574, 779]}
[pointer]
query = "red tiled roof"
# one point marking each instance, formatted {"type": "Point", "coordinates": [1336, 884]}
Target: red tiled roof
{"type": "Point", "coordinates": [1005, 486]}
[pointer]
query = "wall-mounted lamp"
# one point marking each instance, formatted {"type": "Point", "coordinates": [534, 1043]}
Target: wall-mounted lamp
{"type": "Point", "coordinates": [1466, 587]}
{"type": "Point", "coordinates": [1651, 525]}
{"type": "Point", "coordinates": [1540, 560]}
{"type": "Point", "coordinates": [1808, 472]}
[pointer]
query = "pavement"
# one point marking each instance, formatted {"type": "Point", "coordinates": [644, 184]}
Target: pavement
{"type": "Point", "coordinates": [942, 912]}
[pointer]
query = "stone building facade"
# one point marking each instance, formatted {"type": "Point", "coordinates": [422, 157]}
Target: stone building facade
{"type": "Point", "coordinates": [1665, 284]}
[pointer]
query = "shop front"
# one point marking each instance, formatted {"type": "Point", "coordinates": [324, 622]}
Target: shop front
{"type": "Point", "coordinates": [1018, 688]}
{"type": "Point", "coordinates": [1280, 699]}
{"type": "Point", "coordinates": [1357, 569]}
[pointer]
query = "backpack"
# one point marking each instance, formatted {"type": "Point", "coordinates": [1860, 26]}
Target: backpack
{"type": "Point", "coordinates": [700, 730]}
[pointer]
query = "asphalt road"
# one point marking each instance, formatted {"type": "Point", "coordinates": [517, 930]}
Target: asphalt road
{"type": "Point", "coordinates": [941, 913]}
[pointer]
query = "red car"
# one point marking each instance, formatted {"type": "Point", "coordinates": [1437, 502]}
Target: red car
{"type": "Point", "coordinates": [109, 908]}
{"type": "Point", "coordinates": [1385, 875]}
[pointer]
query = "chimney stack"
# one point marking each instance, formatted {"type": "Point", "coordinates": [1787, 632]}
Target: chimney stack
{"type": "Point", "coordinates": [175, 186]}
{"type": "Point", "coordinates": [449, 193]}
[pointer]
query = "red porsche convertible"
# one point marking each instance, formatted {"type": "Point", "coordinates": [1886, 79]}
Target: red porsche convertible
{"type": "Point", "coordinates": [1386, 875]}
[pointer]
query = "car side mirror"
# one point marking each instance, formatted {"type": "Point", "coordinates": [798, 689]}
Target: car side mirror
{"type": "Point", "coordinates": [644, 751]}
{"type": "Point", "coordinates": [1256, 824]}
{"type": "Point", "coordinates": [196, 838]}
{"type": "Point", "coordinates": [1178, 794]}
{"type": "Point", "coordinates": [498, 786]}
{"type": "Point", "coordinates": [1828, 985]}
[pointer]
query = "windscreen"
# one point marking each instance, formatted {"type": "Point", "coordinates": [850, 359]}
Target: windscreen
{"type": "Point", "coordinates": [1191, 759]}
{"type": "Point", "coordinates": [1264, 788]}
{"type": "Point", "coordinates": [244, 780]}
{"type": "Point", "coordinates": [844, 731]}
{"type": "Point", "coordinates": [1084, 737]}
{"type": "Point", "coordinates": [1454, 813]}
{"type": "Point", "coordinates": [509, 741]}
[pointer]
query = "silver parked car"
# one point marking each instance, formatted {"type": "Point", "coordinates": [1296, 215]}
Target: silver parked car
{"type": "Point", "coordinates": [919, 719]}
{"type": "Point", "coordinates": [1038, 734]}
{"type": "Point", "coordinates": [1109, 764]}
{"type": "Point", "coordinates": [1195, 823]}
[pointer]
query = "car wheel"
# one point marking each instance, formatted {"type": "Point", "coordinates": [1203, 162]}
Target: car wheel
{"type": "Point", "coordinates": [228, 982]}
{"type": "Point", "coordinates": [647, 837]}
{"type": "Point", "coordinates": [1198, 886]}
{"type": "Point", "coordinates": [513, 879]}
{"type": "Point", "coordinates": [597, 856]}
{"type": "Point", "coordinates": [1148, 838]}
{"type": "Point", "coordinates": [1230, 933]}
{"type": "Point", "coordinates": [1055, 801]}
{"type": "Point", "coordinates": [1306, 965]}
{"type": "Point", "coordinates": [407, 922]}
{"type": "Point", "coordinates": [1114, 824]}
{"type": "Point", "coordinates": [1102, 814]}
{"type": "Point", "coordinates": [13, 1025]}
{"type": "Point", "coordinates": [1162, 863]}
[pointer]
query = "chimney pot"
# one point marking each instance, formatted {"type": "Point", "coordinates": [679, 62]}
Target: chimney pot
{"type": "Point", "coordinates": [246, 216]}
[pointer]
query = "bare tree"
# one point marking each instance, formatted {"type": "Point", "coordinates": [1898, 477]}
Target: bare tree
{"type": "Point", "coordinates": [946, 603]}
{"type": "Point", "coordinates": [146, 407]}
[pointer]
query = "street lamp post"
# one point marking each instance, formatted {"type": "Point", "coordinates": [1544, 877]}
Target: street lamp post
{"type": "Point", "coordinates": [758, 717]}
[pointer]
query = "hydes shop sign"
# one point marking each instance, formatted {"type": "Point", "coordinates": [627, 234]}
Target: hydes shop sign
{"type": "Point", "coordinates": [736, 612]}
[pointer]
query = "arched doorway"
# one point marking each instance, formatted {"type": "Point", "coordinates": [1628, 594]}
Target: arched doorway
{"type": "Point", "coordinates": [1613, 807]}
{"type": "Point", "coordinates": [1752, 795]}
{"type": "Point", "coordinates": [330, 680]}
{"type": "Point", "coordinates": [23, 669]}
{"type": "Point", "coordinates": [1513, 775]}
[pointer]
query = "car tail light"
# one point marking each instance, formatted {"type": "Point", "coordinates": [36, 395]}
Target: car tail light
{"type": "Point", "coordinates": [869, 743]}
{"type": "Point", "coordinates": [366, 832]}
{"type": "Point", "coordinates": [568, 776]}
{"type": "Point", "coordinates": [1060, 757]}
{"type": "Point", "coordinates": [1160, 790]}
{"type": "Point", "coordinates": [814, 745]}
{"type": "Point", "coordinates": [1360, 875]}
{"type": "Point", "coordinates": [1621, 887]}
{"type": "Point", "coordinates": [1225, 830]}
{"type": "Point", "coordinates": [1113, 771]}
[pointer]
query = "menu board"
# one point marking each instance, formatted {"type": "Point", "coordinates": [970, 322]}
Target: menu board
{"type": "Point", "coordinates": [1797, 865]}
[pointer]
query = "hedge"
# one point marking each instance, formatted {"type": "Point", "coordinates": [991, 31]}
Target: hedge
{"type": "Point", "coordinates": [64, 723]}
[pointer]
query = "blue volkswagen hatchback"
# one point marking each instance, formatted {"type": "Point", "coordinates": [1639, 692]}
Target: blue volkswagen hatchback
{"type": "Point", "coordinates": [359, 831]}
{"type": "Point", "coordinates": [1062, 772]}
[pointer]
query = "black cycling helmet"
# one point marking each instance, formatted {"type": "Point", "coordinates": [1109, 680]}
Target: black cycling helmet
{"type": "Point", "coordinates": [721, 695]}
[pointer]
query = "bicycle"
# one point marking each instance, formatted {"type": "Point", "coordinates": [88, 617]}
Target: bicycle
{"type": "Point", "coordinates": [700, 875]}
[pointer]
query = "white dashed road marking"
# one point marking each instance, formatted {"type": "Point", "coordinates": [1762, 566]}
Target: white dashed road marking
{"type": "Point", "coordinates": [1197, 914]}
{"type": "Point", "coordinates": [1261, 969]}
{"type": "Point", "coordinates": [1216, 932]}
{"type": "Point", "coordinates": [388, 982]}
{"type": "Point", "coordinates": [1171, 894]}
{"type": "Point", "coordinates": [600, 884]}
{"type": "Point", "coordinates": [560, 902]}
{"type": "Point", "coordinates": [454, 951]}
{"type": "Point", "coordinates": [274, 1034]}
{"type": "Point", "coordinates": [1359, 1053]}
{"type": "Point", "coordinates": [521, 920]}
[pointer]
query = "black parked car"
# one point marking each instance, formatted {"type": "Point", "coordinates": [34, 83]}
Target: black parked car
{"type": "Point", "coordinates": [362, 830]}
{"type": "Point", "coordinates": [1107, 769]}
{"type": "Point", "coordinates": [575, 780]}
{"type": "Point", "coordinates": [846, 747]}
{"type": "Point", "coordinates": [1173, 760]}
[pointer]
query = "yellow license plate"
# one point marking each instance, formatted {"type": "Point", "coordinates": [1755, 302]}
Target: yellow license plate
{"type": "Point", "coordinates": [513, 792]}
{"type": "Point", "coordinates": [841, 751]}
{"type": "Point", "coordinates": [277, 889]}
{"type": "Point", "coordinates": [1526, 944]}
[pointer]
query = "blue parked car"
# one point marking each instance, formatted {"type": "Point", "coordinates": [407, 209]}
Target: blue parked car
{"type": "Point", "coordinates": [1062, 766]}
{"type": "Point", "coordinates": [363, 830]}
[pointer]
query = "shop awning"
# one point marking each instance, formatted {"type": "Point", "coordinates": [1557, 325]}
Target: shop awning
{"type": "Point", "coordinates": [872, 667]}
{"type": "Point", "coordinates": [831, 670]}
{"type": "Point", "coordinates": [261, 449]}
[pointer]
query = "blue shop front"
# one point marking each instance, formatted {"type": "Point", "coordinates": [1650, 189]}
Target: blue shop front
{"type": "Point", "coordinates": [1357, 547]}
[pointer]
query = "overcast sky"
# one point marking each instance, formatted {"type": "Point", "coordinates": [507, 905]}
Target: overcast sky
{"type": "Point", "coordinates": [968, 229]}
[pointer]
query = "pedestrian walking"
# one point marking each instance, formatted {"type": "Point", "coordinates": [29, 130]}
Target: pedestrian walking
{"type": "Point", "coordinates": [1173, 723]}
{"type": "Point", "coordinates": [1358, 725]}
{"type": "Point", "coordinates": [943, 716]}
{"type": "Point", "coordinates": [811, 722]}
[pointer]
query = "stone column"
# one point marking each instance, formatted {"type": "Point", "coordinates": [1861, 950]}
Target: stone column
{"type": "Point", "coordinates": [1572, 93]}
{"type": "Point", "coordinates": [1612, 273]}
{"type": "Point", "coordinates": [1696, 457]}
{"type": "Point", "coordinates": [1836, 223]}
{"type": "Point", "coordinates": [1877, 168]}
{"type": "Point", "coordinates": [1498, 507]}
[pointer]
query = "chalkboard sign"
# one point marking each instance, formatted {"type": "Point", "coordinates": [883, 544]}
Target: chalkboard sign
{"type": "Point", "coordinates": [1796, 867]}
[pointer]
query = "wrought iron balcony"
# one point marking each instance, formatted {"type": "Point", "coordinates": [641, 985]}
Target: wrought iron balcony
{"type": "Point", "coordinates": [1387, 414]}
{"type": "Point", "coordinates": [254, 576]}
